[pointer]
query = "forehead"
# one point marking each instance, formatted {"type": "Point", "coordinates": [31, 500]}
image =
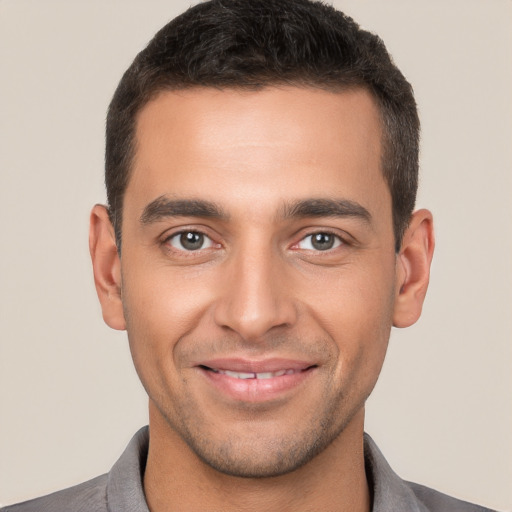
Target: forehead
{"type": "Point", "coordinates": [262, 146]}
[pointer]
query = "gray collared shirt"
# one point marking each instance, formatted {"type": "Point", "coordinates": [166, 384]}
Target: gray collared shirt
{"type": "Point", "coordinates": [121, 489]}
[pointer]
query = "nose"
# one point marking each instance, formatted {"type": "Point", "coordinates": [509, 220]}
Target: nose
{"type": "Point", "coordinates": [255, 298]}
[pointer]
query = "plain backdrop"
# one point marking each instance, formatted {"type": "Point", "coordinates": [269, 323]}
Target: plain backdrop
{"type": "Point", "coordinates": [69, 398]}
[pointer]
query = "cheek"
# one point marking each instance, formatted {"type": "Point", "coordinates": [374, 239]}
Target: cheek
{"type": "Point", "coordinates": [160, 309]}
{"type": "Point", "coordinates": [163, 300]}
{"type": "Point", "coordinates": [355, 308]}
{"type": "Point", "coordinates": [358, 297]}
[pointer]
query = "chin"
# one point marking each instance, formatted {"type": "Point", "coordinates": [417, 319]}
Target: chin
{"type": "Point", "coordinates": [262, 454]}
{"type": "Point", "coordinates": [276, 458]}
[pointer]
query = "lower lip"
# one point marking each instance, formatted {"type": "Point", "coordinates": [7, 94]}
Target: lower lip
{"type": "Point", "coordinates": [256, 390]}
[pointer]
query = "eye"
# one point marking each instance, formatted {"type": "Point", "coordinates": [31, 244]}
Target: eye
{"type": "Point", "coordinates": [320, 242]}
{"type": "Point", "coordinates": [190, 241]}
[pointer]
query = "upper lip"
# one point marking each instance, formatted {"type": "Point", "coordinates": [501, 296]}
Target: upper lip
{"type": "Point", "coordinates": [256, 366]}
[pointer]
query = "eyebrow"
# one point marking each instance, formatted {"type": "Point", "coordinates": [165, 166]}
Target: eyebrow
{"type": "Point", "coordinates": [163, 207]}
{"type": "Point", "coordinates": [326, 208]}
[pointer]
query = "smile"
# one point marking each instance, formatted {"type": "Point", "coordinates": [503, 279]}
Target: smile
{"type": "Point", "coordinates": [254, 375]}
{"type": "Point", "coordinates": [256, 381]}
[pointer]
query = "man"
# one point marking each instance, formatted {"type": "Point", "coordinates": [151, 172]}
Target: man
{"type": "Point", "coordinates": [259, 243]}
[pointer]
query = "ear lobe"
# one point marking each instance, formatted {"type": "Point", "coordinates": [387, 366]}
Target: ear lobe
{"type": "Point", "coordinates": [413, 268]}
{"type": "Point", "coordinates": [106, 267]}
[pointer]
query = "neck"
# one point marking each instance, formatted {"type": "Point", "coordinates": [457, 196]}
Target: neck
{"type": "Point", "coordinates": [334, 480]}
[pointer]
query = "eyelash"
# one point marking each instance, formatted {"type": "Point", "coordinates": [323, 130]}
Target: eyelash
{"type": "Point", "coordinates": [338, 241]}
{"type": "Point", "coordinates": [176, 236]}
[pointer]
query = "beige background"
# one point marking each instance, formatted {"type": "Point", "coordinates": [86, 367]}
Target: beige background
{"type": "Point", "coordinates": [69, 398]}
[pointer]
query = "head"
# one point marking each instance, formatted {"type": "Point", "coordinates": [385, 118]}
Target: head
{"type": "Point", "coordinates": [231, 44]}
{"type": "Point", "coordinates": [261, 173]}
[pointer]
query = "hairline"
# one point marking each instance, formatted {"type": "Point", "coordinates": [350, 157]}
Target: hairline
{"type": "Point", "coordinates": [116, 216]}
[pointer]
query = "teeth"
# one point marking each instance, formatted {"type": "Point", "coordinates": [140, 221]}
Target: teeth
{"type": "Point", "coordinates": [238, 375]}
{"type": "Point", "coordinates": [251, 375]}
{"type": "Point", "coordinates": [265, 375]}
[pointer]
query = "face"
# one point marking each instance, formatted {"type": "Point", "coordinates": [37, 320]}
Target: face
{"type": "Point", "coordinates": [258, 269]}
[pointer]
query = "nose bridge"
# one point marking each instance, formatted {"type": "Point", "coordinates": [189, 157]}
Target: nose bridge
{"type": "Point", "coordinates": [254, 299]}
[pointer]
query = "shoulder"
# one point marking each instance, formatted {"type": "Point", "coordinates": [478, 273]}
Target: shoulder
{"type": "Point", "coordinates": [120, 489]}
{"type": "Point", "coordinates": [391, 493]}
{"type": "Point", "coordinates": [89, 496]}
{"type": "Point", "coordinates": [436, 501]}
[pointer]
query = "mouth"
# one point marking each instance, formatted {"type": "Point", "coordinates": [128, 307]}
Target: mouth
{"type": "Point", "coordinates": [256, 381]}
{"type": "Point", "coordinates": [256, 375]}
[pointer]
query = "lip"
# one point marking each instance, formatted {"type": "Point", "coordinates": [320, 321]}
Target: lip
{"type": "Point", "coordinates": [254, 389]}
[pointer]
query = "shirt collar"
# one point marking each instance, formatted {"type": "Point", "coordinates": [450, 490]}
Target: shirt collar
{"type": "Point", "coordinates": [125, 481]}
{"type": "Point", "coordinates": [124, 485]}
{"type": "Point", "coordinates": [390, 492]}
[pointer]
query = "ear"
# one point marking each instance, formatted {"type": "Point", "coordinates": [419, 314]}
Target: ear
{"type": "Point", "coordinates": [106, 266]}
{"type": "Point", "coordinates": [413, 268]}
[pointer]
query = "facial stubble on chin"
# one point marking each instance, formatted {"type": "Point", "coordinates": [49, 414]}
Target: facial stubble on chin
{"type": "Point", "coordinates": [247, 457]}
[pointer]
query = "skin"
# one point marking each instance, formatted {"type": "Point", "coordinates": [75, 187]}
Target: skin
{"type": "Point", "coordinates": [259, 289]}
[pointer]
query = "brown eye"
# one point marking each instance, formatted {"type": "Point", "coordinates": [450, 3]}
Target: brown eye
{"type": "Point", "coordinates": [190, 241]}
